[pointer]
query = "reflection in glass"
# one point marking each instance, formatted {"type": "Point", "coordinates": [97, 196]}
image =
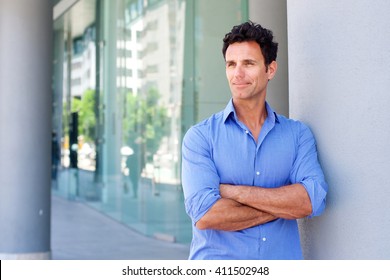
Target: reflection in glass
{"type": "Point", "coordinates": [130, 77]}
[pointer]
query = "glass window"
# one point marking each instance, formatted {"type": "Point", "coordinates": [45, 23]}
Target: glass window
{"type": "Point", "coordinates": [131, 81]}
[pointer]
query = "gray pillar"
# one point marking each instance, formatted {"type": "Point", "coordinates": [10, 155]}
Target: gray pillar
{"type": "Point", "coordinates": [273, 15]}
{"type": "Point", "coordinates": [25, 128]}
{"type": "Point", "coordinates": [339, 84]}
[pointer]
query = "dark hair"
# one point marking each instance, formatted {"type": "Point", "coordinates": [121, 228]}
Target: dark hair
{"type": "Point", "coordinates": [249, 31]}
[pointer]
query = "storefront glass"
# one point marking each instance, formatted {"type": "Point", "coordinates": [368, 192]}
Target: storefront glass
{"type": "Point", "coordinates": [130, 77]}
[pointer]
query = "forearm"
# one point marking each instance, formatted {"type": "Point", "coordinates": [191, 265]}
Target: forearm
{"type": "Point", "coordinates": [288, 202]}
{"type": "Point", "coordinates": [229, 215]}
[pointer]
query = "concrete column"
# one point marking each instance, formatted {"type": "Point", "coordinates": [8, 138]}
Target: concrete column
{"type": "Point", "coordinates": [273, 15]}
{"type": "Point", "coordinates": [339, 65]}
{"type": "Point", "coordinates": [25, 128]}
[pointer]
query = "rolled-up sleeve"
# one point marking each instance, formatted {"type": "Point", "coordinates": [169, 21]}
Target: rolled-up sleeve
{"type": "Point", "coordinates": [308, 172]}
{"type": "Point", "coordinates": [199, 176]}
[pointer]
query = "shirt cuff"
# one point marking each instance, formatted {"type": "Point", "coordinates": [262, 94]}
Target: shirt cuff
{"type": "Point", "coordinates": [199, 203]}
{"type": "Point", "coordinates": [317, 193]}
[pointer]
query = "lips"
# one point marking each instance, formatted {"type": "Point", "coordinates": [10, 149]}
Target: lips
{"type": "Point", "coordinates": [241, 84]}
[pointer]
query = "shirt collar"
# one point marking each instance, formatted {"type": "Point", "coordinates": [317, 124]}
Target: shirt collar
{"type": "Point", "coordinates": [230, 110]}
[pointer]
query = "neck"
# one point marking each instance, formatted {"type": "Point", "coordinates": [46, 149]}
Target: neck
{"type": "Point", "coordinates": [253, 115]}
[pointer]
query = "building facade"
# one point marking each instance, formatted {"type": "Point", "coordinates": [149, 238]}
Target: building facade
{"type": "Point", "coordinates": [130, 77]}
{"type": "Point", "coordinates": [121, 81]}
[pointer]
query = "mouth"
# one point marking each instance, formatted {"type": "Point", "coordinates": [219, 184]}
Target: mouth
{"type": "Point", "coordinates": [239, 85]}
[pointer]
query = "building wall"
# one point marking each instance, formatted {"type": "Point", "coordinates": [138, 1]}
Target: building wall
{"type": "Point", "coordinates": [339, 65]}
{"type": "Point", "coordinates": [273, 15]}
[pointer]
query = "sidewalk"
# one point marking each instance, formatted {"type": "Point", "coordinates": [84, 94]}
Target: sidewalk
{"type": "Point", "coordinates": [82, 233]}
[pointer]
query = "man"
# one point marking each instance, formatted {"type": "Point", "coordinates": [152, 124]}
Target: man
{"type": "Point", "coordinates": [247, 172]}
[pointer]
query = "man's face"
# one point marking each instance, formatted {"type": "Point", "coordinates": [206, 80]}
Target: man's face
{"type": "Point", "coordinates": [246, 71]}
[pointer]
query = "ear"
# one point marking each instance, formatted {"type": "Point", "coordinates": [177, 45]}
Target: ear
{"type": "Point", "coordinates": [272, 67]}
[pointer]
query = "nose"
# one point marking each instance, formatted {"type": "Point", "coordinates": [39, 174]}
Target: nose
{"type": "Point", "coordinates": [238, 71]}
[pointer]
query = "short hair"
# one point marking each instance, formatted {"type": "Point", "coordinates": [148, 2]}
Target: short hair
{"type": "Point", "coordinates": [250, 31]}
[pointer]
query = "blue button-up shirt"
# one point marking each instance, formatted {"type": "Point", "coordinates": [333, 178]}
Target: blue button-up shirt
{"type": "Point", "coordinates": [221, 149]}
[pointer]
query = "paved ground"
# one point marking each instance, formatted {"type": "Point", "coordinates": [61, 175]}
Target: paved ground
{"type": "Point", "coordinates": [82, 233]}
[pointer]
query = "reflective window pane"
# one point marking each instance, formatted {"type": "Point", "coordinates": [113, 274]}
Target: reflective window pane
{"type": "Point", "coordinates": [130, 77]}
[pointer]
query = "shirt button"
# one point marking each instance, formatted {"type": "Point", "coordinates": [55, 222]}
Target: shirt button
{"type": "Point", "coordinates": [257, 172]}
{"type": "Point", "coordinates": [264, 239]}
{"type": "Point", "coordinates": [246, 131]}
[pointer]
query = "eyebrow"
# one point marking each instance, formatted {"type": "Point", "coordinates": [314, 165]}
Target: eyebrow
{"type": "Point", "coordinates": [249, 60]}
{"type": "Point", "coordinates": [244, 61]}
{"type": "Point", "coordinates": [229, 61]}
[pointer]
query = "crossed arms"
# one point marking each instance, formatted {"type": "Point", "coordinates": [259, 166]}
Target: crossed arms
{"type": "Point", "coordinates": [244, 206]}
{"type": "Point", "coordinates": [212, 205]}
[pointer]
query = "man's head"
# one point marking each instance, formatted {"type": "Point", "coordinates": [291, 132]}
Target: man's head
{"type": "Point", "coordinates": [250, 31]}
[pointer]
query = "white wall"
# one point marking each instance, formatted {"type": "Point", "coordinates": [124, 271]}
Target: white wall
{"type": "Point", "coordinates": [339, 77]}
